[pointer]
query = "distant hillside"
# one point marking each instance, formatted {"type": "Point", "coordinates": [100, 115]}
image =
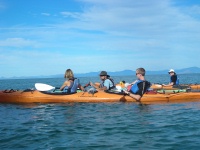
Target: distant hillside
{"type": "Point", "coordinates": [178, 71]}
{"type": "Point", "coordinates": [117, 73]}
{"type": "Point", "coordinates": [131, 72]}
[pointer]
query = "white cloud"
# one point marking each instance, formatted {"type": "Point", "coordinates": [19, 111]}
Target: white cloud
{"type": "Point", "coordinates": [45, 14]}
{"type": "Point", "coordinates": [122, 33]}
{"type": "Point", "coordinates": [141, 18]}
{"type": "Point", "coordinates": [75, 15]}
{"type": "Point", "coordinates": [18, 42]}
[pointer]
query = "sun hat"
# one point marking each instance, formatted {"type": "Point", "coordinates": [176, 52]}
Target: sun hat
{"type": "Point", "coordinates": [103, 73]}
{"type": "Point", "coordinates": [171, 70]}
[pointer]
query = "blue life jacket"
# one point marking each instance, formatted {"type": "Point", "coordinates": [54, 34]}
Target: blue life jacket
{"type": "Point", "coordinates": [134, 89]}
{"type": "Point", "coordinates": [73, 87]}
{"type": "Point", "coordinates": [177, 81]}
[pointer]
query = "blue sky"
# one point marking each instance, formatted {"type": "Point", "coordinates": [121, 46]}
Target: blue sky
{"type": "Point", "coordinates": [47, 37]}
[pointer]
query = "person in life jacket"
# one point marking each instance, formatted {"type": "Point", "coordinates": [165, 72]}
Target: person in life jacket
{"type": "Point", "coordinates": [107, 82]}
{"type": "Point", "coordinates": [71, 84]}
{"type": "Point", "coordinates": [139, 86]}
{"type": "Point", "coordinates": [174, 81]}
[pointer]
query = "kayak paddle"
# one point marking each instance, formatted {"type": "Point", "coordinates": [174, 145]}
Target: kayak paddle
{"type": "Point", "coordinates": [43, 87]}
{"type": "Point", "coordinates": [46, 87]}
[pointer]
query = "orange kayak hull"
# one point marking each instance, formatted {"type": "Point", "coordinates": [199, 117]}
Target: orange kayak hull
{"type": "Point", "coordinates": [192, 86]}
{"type": "Point", "coordinates": [99, 97]}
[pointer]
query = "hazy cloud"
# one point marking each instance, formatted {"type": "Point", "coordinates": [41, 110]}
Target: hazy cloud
{"type": "Point", "coordinates": [124, 32]}
{"type": "Point", "coordinates": [17, 42]}
{"type": "Point", "coordinates": [45, 14]}
{"type": "Point", "coordinates": [70, 14]}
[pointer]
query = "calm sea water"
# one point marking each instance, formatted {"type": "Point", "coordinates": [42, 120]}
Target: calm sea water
{"type": "Point", "coordinates": [86, 126]}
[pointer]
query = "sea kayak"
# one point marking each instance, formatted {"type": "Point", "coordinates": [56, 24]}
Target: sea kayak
{"type": "Point", "coordinates": [157, 86]}
{"type": "Point", "coordinates": [35, 96]}
{"type": "Point", "coordinates": [182, 86]}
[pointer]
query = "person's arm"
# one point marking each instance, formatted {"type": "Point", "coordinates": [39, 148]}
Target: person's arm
{"type": "Point", "coordinates": [80, 87]}
{"type": "Point", "coordinates": [66, 83]}
{"type": "Point", "coordinates": [170, 84]}
{"type": "Point", "coordinates": [98, 86]}
{"type": "Point", "coordinates": [134, 82]}
{"type": "Point", "coordinates": [173, 81]}
{"type": "Point", "coordinates": [135, 96]}
{"type": "Point", "coordinates": [94, 85]}
{"type": "Point", "coordinates": [103, 88]}
{"type": "Point", "coordinates": [142, 86]}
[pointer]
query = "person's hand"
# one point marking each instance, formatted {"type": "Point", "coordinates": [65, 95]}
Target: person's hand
{"type": "Point", "coordinates": [125, 92]}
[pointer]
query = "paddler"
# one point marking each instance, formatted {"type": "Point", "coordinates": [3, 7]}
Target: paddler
{"type": "Point", "coordinates": [174, 81]}
{"type": "Point", "coordinates": [139, 86]}
{"type": "Point", "coordinates": [107, 83]}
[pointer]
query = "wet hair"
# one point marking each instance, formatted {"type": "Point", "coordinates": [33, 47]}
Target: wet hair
{"type": "Point", "coordinates": [69, 74]}
{"type": "Point", "coordinates": [141, 71]}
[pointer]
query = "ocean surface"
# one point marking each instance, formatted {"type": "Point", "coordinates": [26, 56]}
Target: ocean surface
{"type": "Point", "coordinates": [99, 126]}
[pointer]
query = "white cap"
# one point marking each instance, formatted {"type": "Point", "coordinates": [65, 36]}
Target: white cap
{"type": "Point", "coordinates": [171, 70]}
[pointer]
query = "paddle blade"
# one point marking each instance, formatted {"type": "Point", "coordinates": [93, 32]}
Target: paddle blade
{"type": "Point", "coordinates": [43, 87]}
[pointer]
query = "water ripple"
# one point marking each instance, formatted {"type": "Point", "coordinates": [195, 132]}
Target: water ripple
{"type": "Point", "coordinates": [100, 126]}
